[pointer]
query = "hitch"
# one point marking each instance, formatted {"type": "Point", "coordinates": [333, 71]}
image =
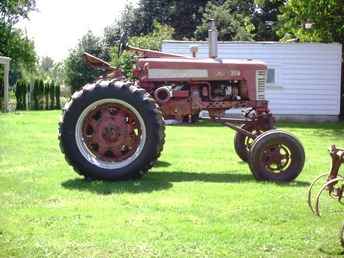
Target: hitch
{"type": "Point", "coordinates": [333, 185]}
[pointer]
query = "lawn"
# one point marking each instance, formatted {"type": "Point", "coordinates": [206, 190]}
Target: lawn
{"type": "Point", "coordinates": [200, 200]}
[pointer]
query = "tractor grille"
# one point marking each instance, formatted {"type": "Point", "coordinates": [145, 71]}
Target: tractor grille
{"type": "Point", "coordinates": [260, 84]}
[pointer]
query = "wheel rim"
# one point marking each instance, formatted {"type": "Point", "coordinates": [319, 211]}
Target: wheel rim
{"type": "Point", "coordinates": [276, 158]}
{"type": "Point", "coordinates": [110, 133]}
{"type": "Point", "coordinates": [248, 141]}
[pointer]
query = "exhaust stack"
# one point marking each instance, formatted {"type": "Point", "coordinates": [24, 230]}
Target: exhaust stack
{"type": "Point", "coordinates": [212, 39]}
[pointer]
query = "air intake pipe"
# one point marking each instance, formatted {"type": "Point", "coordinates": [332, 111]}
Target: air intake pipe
{"type": "Point", "coordinates": [212, 39]}
{"type": "Point", "coordinates": [163, 94]}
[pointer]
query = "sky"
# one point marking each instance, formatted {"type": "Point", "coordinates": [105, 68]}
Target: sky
{"type": "Point", "coordinates": [58, 24]}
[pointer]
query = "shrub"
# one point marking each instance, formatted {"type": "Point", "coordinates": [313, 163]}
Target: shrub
{"type": "Point", "coordinates": [57, 97]}
{"type": "Point", "coordinates": [52, 95]}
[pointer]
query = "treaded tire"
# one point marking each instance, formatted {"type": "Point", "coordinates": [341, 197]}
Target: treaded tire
{"type": "Point", "coordinates": [141, 101]}
{"type": "Point", "coordinates": [272, 137]}
{"type": "Point", "coordinates": [239, 144]}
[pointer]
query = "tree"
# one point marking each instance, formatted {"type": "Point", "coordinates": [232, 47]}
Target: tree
{"type": "Point", "coordinates": [232, 18]}
{"type": "Point", "coordinates": [150, 41]}
{"type": "Point", "coordinates": [41, 95]}
{"type": "Point", "coordinates": [326, 18]}
{"type": "Point", "coordinates": [11, 11]}
{"type": "Point", "coordinates": [76, 71]}
{"type": "Point", "coordinates": [35, 95]}
{"type": "Point", "coordinates": [57, 96]}
{"type": "Point", "coordinates": [13, 42]}
{"type": "Point", "coordinates": [128, 22]}
{"type": "Point", "coordinates": [57, 73]}
{"type": "Point", "coordinates": [182, 15]}
{"type": "Point", "coordinates": [46, 95]}
{"type": "Point", "coordinates": [265, 19]}
{"type": "Point", "coordinates": [52, 94]}
{"type": "Point", "coordinates": [19, 95]}
{"type": "Point", "coordinates": [46, 64]}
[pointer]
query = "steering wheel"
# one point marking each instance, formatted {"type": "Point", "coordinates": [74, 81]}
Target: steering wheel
{"type": "Point", "coordinates": [122, 43]}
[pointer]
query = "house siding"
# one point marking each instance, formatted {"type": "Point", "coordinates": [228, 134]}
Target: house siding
{"type": "Point", "coordinates": [308, 75]}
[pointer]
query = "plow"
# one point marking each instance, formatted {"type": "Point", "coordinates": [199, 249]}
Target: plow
{"type": "Point", "coordinates": [333, 185]}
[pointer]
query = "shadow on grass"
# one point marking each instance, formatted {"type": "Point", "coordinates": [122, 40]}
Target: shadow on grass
{"type": "Point", "coordinates": [157, 181]}
{"type": "Point", "coordinates": [331, 252]}
{"type": "Point", "coordinates": [224, 177]}
{"type": "Point", "coordinates": [162, 164]}
{"type": "Point", "coordinates": [106, 188]}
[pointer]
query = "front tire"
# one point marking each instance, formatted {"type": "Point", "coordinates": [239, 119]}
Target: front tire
{"type": "Point", "coordinates": [276, 156]}
{"type": "Point", "coordinates": [111, 131]}
{"type": "Point", "coordinates": [243, 143]}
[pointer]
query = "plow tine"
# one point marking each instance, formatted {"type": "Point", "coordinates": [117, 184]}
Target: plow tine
{"type": "Point", "coordinates": [309, 200]}
{"type": "Point", "coordinates": [317, 210]}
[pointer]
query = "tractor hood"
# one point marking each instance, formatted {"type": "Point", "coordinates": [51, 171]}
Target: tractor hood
{"type": "Point", "coordinates": [185, 69]}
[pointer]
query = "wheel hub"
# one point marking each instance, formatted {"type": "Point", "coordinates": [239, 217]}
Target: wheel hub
{"type": "Point", "coordinates": [276, 158]}
{"type": "Point", "coordinates": [111, 132]}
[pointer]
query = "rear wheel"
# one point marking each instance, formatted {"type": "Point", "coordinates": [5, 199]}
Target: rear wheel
{"type": "Point", "coordinates": [111, 131]}
{"type": "Point", "coordinates": [276, 156]}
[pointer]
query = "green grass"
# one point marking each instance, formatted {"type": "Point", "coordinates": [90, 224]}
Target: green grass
{"type": "Point", "coordinates": [199, 201]}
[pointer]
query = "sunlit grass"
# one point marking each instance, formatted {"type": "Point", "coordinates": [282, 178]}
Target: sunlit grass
{"type": "Point", "coordinates": [199, 201]}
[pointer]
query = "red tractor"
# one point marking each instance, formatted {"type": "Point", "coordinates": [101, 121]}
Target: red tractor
{"type": "Point", "coordinates": [113, 129]}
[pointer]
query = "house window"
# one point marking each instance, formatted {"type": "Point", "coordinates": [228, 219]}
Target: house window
{"type": "Point", "coordinates": [271, 76]}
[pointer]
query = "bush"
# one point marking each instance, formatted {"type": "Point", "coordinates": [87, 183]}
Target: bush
{"type": "Point", "coordinates": [46, 96]}
{"type": "Point", "coordinates": [57, 97]}
{"type": "Point", "coordinates": [35, 95]}
{"type": "Point", "coordinates": [52, 95]}
{"type": "Point", "coordinates": [20, 94]}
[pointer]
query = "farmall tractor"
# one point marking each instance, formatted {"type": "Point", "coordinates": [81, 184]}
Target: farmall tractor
{"type": "Point", "coordinates": [113, 129]}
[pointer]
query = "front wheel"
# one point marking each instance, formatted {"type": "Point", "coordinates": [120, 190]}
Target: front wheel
{"type": "Point", "coordinates": [111, 131]}
{"type": "Point", "coordinates": [243, 143]}
{"type": "Point", "coordinates": [276, 156]}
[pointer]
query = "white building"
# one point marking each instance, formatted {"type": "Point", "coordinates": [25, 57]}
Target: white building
{"type": "Point", "coordinates": [304, 79]}
{"type": "Point", "coordinates": [5, 61]}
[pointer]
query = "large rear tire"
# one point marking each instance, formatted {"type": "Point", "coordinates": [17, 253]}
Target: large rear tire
{"type": "Point", "coordinates": [111, 130]}
{"type": "Point", "coordinates": [276, 156]}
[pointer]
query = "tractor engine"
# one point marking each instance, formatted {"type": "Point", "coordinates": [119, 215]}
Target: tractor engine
{"type": "Point", "coordinates": [222, 90]}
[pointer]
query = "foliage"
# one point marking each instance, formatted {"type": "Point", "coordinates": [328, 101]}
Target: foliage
{"type": "Point", "coordinates": [20, 94]}
{"type": "Point", "coordinates": [57, 73]}
{"type": "Point", "coordinates": [35, 95]}
{"type": "Point", "coordinates": [127, 22]}
{"type": "Point", "coordinates": [52, 95]}
{"type": "Point", "coordinates": [13, 42]}
{"type": "Point", "coordinates": [41, 95]}
{"type": "Point", "coordinates": [150, 41]}
{"type": "Point", "coordinates": [232, 20]}
{"type": "Point", "coordinates": [48, 70]}
{"type": "Point", "coordinates": [185, 16]}
{"type": "Point", "coordinates": [11, 11]}
{"type": "Point", "coordinates": [265, 19]}
{"type": "Point", "coordinates": [326, 16]}
{"type": "Point", "coordinates": [76, 71]}
{"type": "Point", "coordinates": [57, 96]}
{"type": "Point", "coordinates": [46, 95]}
